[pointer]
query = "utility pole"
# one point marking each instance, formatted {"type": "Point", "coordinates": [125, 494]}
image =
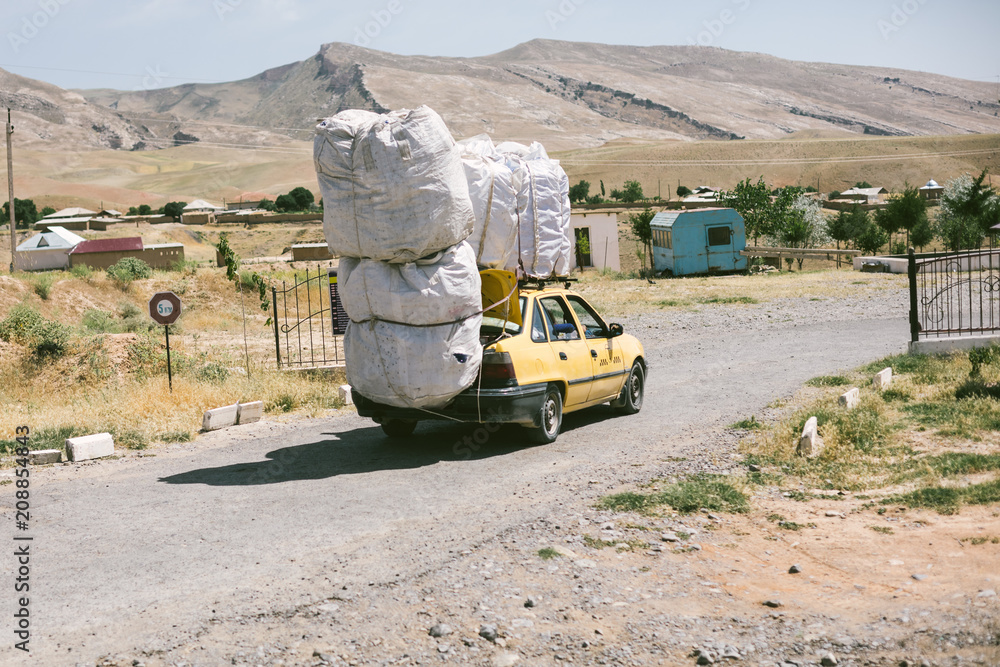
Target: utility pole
{"type": "Point", "coordinates": [10, 190]}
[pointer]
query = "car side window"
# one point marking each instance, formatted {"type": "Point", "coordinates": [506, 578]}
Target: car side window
{"type": "Point", "coordinates": [562, 326]}
{"type": "Point", "coordinates": [593, 325]}
{"type": "Point", "coordinates": [538, 326]}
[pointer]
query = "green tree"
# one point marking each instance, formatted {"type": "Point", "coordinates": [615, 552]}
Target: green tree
{"type": "Point", "coordinates": [753, 202]}
{"type": "Point", "coordinates": [266, 205]}
{"type": "Point", "coordinates": [174, 209]}
{"type": "Point", "coordinates": [639, 222]}
{"type": "Point", "coordinates": [48, 210]}
{"type": "Point", "coordinates": [303, 198]}
{"type": "Point", "coordinates": [603, 195]}
{"type": "Point", "coordinates": [803, 225]}
{"type": "Point", "coordinates": [904, 212]}
{"type": "Point", "coordinates": [594, 199]}
{"type": "Point", "coordinates": [632, 192]}
{"type": "Point", "coordinates": [683, 191]}
{"type": "Point", "coordinates": [579, 192]}
{"type": "Point", "coordinates": [969, 207]}
{"type": "Point", "coordinates": [132, 210]}
{"type": "Point", "coordinates": [921, 234]}
{"type": "Point", "coordinates": [145, 209]}
{"type": "Point", "coordinates": [863, 185]}
{"type": "Point", "coordinates": [24, 211]}
{"type": "Point", "coordinates": [616, 194]}
{"type": "Point", "coordinates": [128, 269]}
{"type": "Point", "coordinates": [887, 221]}
{"type": "Point", "coordinates": [285, 204]}
{"type": "Point", "coordinates": [871, 238]}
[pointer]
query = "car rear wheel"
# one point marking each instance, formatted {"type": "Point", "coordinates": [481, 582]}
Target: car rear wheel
{"type": "Point", "coordinates": [549, 418]}
{"type": "Point", "coordinates": [398, 428]}
{"type": "Point", "coordinates": [630, 401]}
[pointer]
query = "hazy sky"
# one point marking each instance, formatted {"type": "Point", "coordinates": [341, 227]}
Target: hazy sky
{"type": "Point", "coordinates": [156, 43]}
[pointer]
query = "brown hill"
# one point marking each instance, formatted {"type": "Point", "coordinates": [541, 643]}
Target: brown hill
{"type": "Point", "coordinates": [571, 95]}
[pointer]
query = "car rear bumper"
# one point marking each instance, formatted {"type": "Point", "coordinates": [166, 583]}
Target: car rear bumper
{"type": "Point", "coordinates": [507, 405]}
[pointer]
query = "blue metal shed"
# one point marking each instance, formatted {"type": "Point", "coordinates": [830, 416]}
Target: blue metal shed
{"type": "Point", "coordinates": [705, 240]}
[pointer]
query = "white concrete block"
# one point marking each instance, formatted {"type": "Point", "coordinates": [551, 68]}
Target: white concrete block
{"type": "Point", "coordinates": [345, 394]}
{"type": "Point", "coordinates": [250, 412]}
{"type": "Point", "coordinates": [882, 379]}
{"type": "Point", "coordinates": [88, 447]}
{"type": "Point", "coordinates": [220, 417]}
{"type": "Point", "coordinates": [851, 398]}
{"type": "Point", "coordinates": [43, 456]}
{"type": "Point", "coordinates": [810, 444]}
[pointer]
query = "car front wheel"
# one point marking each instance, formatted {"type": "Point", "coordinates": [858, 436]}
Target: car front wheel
{"type": "Point", "coordinates": [630, 401]}
{"type": "Point", "coordinates": [549, 418]}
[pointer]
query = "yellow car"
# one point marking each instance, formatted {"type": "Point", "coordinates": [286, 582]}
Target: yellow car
{"type": "Point", "coordinates": [562, 359]}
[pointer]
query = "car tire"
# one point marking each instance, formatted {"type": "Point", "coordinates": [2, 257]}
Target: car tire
{"type": "Point", "coordinates": [549, 418]}
{"type": "Point", "coordinates": [399, 428]}
{"type": "Point", "coordinates": [630, 400]}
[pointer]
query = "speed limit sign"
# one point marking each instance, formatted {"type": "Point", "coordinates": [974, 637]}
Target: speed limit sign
{"type": "Point", "coordinates": [165, 308]}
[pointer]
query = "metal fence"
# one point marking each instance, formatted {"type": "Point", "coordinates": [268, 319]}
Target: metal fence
{"type": "Point", "coordinates": [955, 295]}
{"type": "Point", "coordinates": [308, 333]}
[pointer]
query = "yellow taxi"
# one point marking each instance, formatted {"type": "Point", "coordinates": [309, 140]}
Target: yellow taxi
{"type": "Point", "coordinates": [561, 357]}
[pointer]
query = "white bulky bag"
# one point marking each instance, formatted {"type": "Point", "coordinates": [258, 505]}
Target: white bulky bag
{"type": "Point", "coordinates": [494, 203]}
{"type": "Point", "coordinates": [412, 367]}
{"type": "Point", "coordinates": [543, 210]}
{"type": "Point", "coordinates": [393, 185]}
{"type": "Point", "coordinates": [439, 290]}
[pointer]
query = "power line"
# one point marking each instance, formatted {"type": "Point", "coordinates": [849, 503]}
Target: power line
{"type": "Point", "coordinates": [131, 75]}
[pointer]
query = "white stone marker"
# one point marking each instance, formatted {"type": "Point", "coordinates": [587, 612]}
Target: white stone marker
{"type": "Point", "coordinates": [883, 379]}
{"type": "Point", "coordinates": [250, 412]}
{"type": "Point", "coordinates": [851, 398]}
{"type": "Point", "coordinates": [810, 444]}
{"type": "Point", "coordinates": [220, 417]}
{"type": "Point", "coordinates": [345, 394]}
{"type": "Point", "coordinates": [43, 456]}
{"type": "Point", "coordinates": [88, 447]}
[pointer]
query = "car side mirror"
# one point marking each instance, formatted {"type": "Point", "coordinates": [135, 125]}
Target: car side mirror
{"type": "Point", "coordinates": [616, 330]}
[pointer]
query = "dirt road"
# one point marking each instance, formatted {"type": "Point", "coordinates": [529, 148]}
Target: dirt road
{"type": "Point", "coordinates": [242, 546]}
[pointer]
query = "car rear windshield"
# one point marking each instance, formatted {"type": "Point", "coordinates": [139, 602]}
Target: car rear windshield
{"type": "Point", "coordinates": [494, 326]}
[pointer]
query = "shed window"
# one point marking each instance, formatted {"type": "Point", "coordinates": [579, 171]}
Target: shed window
{"type": "Point", "coordinates": [719, 235]}
{"type": "Point", "coordinates": [661, 238]}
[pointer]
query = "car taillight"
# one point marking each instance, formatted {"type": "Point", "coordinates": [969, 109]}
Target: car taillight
{"type": "Point", "coordinates": [498, 369]}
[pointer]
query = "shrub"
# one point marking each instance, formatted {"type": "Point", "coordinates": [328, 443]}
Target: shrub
{"type": "Point", "coordinates": [81, 271]}
{"type": "Point", "coordinates": [42, 285]}
{"type": "Point", "coordinates": [128, 269]}
{"type": "Point", "coordinates": [43, 337]}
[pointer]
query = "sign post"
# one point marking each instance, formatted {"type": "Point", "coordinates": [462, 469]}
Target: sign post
{"type": "Point", "coordinates": [165, 308]}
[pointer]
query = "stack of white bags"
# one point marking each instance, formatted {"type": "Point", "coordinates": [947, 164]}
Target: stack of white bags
{"type": "Point", "coordinates": [413, 216]}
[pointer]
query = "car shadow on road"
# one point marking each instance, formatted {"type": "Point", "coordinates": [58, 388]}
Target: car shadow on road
{"type": "Point", "coordinates": [361, 451]}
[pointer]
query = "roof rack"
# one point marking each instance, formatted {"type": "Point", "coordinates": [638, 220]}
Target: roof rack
{"type": "Point", "coordinates": [540, 283]}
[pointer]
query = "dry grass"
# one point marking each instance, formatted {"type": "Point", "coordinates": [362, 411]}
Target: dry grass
{"type": "Point", "coordinates": [631, 296]}
{"type": "Point", "coordinates": [118, 382]}
{"type": "Point", "coordinates": [915, 436]}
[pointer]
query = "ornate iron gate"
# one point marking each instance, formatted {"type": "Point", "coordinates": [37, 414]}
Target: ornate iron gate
{"type": "Point", "coordinates": [308, 333]}
{"type": "Point", "coordinates": [955, 295]}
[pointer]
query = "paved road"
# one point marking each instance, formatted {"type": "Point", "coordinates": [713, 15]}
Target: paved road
{"type": "Point", "coordinates": [142, 552]}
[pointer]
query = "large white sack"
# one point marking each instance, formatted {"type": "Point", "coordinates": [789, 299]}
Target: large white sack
{"type": "Point", "coordinates": [412, 367]}
{"type": "Point", "coordinates": [494, 202]}
{"type": "Point", "coordinates": [415, 293]}
{"type": "Point", "coordinates": [544, 217]}
{"type": "Point", "coordinates": [393, 185]}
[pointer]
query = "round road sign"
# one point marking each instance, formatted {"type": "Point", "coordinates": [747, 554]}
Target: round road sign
{"type": "Point", "coordinates": [165, 308]}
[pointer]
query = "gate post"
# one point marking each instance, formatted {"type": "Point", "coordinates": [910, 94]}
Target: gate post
{"type": "Point", "coordinates": [912, 275]}
{"type": "Point", "coordinates": [274, 318]}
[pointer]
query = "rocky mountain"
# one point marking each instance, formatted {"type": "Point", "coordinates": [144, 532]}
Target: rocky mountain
{"type": "Point", "coordinates": [562, 93]}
